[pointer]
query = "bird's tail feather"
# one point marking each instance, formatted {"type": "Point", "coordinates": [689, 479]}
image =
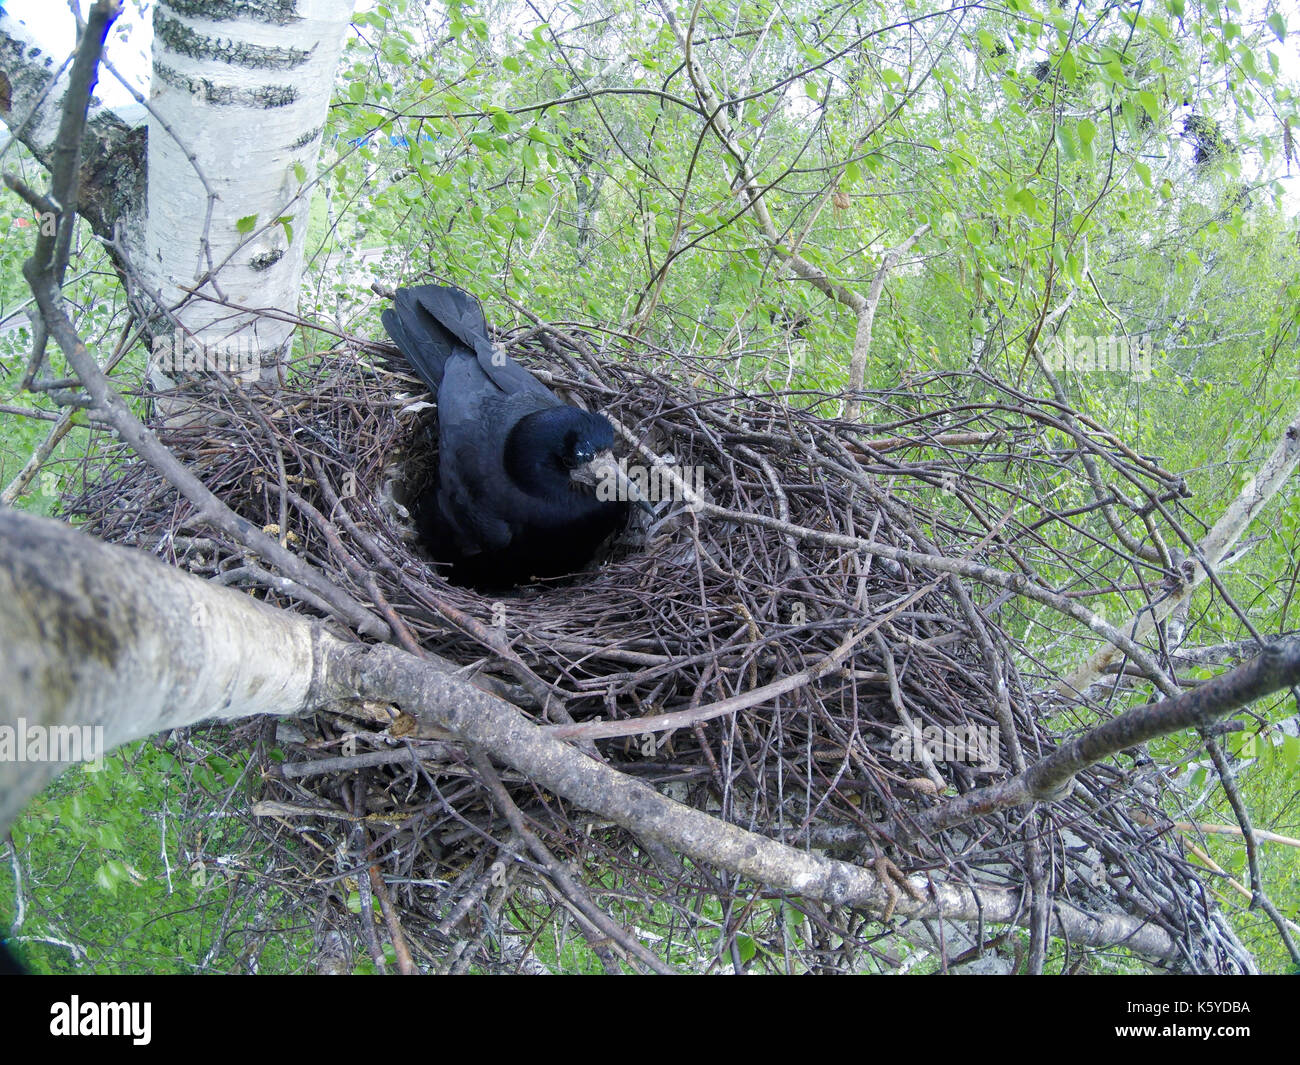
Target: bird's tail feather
{"type": "Point", "coordinates": [428, 321]}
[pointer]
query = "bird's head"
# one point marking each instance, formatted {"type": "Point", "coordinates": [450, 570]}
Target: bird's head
{"type": "Point", "coordinates": [588, 437]}
{"type": "Point", "coordinates": [588, 455]}
{"type": "Point", "coordinates": [575, 447]}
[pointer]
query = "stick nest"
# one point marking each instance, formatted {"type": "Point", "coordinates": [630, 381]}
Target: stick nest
{"type": "Point", "coordinates": [685, 612]}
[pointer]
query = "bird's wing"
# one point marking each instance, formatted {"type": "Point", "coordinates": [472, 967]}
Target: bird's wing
{"type": "Point", "coordinates": [510, 377]}
{"type": "Point", "coordinates": [467, 515]}
{"type": "Point", "coordinates": [478, 499]}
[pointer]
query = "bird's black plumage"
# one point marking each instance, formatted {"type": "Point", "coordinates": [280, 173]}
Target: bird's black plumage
{"type": "Point", "coordinates": [510, 501]}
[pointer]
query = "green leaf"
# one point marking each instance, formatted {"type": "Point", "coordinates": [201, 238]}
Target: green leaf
{"type": "Point", "coordinates": [300, 172]}
{"type": "Point", "coordinates": [1277, 24]}
{"type": "Point", "coordinates": [1065, 143]}
{"type": "Point", "coordinates": [746, 946]}
{"type": "Point", "coordinates": [1087, 132]}
{"type": "Point", "coordinates": [1069, 70]}
{"type": "Point", "coordinates": [246, 225]}
{"type": "Point", "coordinates": [357, 91]}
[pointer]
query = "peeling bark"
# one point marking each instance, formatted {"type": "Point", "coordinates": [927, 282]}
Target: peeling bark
{"type": "Point", "coordinates": [112, 185]}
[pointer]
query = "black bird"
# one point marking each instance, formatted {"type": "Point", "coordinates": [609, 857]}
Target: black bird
{"type": "Point", "coordinates": [518, 470]}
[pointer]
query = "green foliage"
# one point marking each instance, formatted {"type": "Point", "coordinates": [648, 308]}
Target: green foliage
{"type": "Point", "coordinates": [98, 308]}
{"type": "Point", "coordinates": [117, 877]}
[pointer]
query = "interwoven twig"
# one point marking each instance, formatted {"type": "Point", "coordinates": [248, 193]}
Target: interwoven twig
{"type": "Point", "coordinates": [691, 616]}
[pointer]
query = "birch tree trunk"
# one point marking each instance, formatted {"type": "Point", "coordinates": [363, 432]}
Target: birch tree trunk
{"type": "Point", "coordinates": [216, 199]}
{"type": "Point", "coordinates": [237, 110]}
{"type": "Point", "coordinates": [102, 638]}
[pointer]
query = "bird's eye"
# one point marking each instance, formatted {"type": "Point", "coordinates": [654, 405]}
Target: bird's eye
{"type": "Point", "coordinates": [576, 451]}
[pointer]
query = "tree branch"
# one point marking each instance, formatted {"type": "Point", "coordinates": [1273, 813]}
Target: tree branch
{"type": "Point", "coordinates": [101, 635]}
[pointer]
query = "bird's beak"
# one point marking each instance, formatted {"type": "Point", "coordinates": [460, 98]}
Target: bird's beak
{"type": "Point", "coordinates": [610, 481]}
